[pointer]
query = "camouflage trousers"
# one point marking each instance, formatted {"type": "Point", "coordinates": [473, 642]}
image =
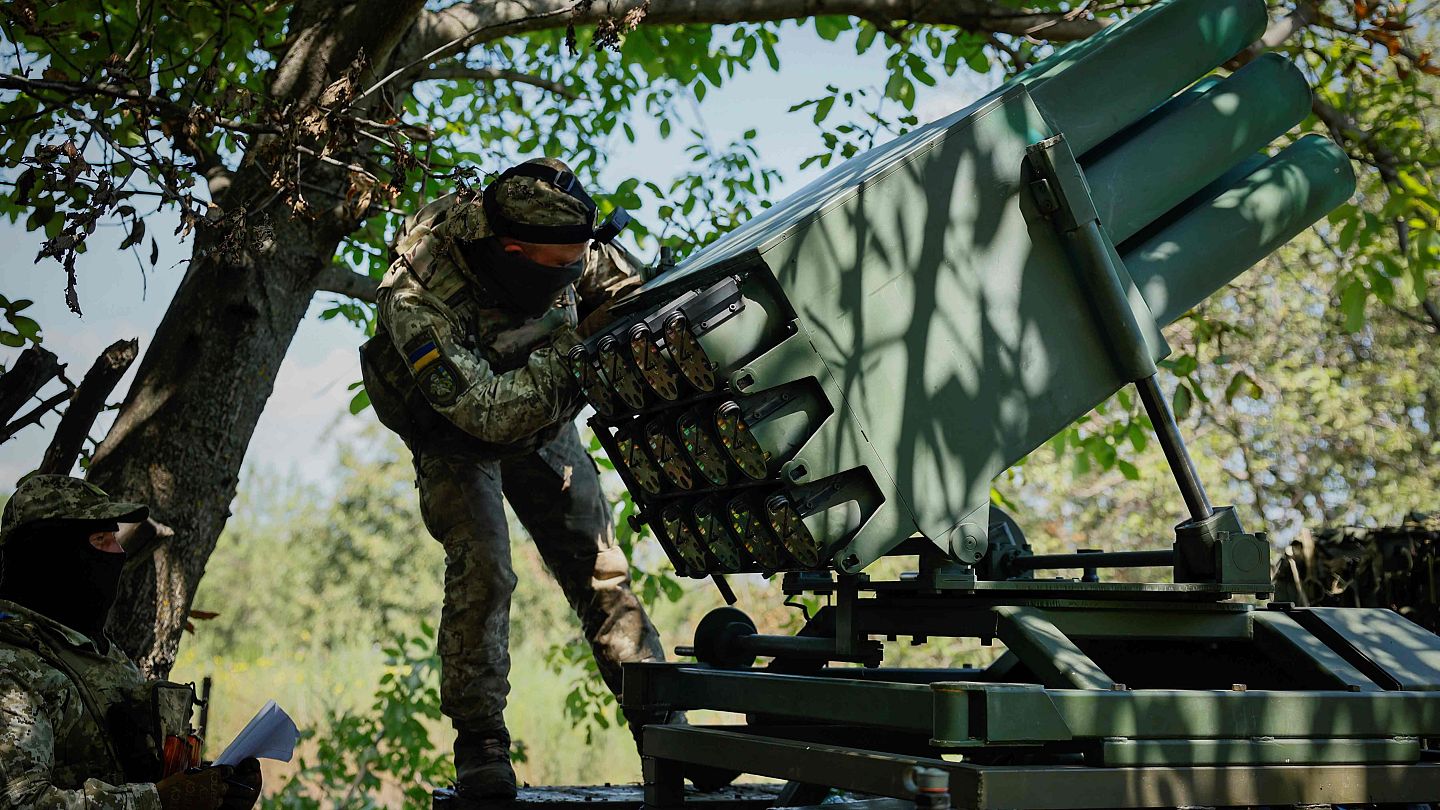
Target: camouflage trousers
{"type": "Point", "coordinates": [555, 492]}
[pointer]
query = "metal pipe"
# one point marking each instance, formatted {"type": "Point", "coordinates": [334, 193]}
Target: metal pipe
{"type": "Point", "coordinates": [1191, 489]}
{"type": "Point", "coordinates": [1095, 559]}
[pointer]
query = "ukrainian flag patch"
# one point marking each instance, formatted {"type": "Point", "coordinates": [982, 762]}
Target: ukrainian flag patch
{"type": "Point", "coordinates": [423, 356]}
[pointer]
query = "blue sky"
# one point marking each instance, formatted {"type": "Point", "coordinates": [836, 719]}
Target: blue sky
{"type": "Point", "coordinates": [307, 413]}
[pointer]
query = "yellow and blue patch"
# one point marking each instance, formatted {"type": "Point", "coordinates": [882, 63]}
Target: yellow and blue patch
{"type": "Point", "coordinates": [423, 356]}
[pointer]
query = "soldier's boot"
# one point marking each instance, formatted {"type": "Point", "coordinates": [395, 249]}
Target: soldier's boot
{"type": "Point", "coordinates": [483, 772]}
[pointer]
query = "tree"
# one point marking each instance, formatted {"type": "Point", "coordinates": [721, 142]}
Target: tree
{"type": "Point", "coordinates": [315, 125]}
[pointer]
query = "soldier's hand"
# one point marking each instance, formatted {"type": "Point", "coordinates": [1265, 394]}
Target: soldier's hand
{"type": "Point", "coordinates": [243, 787]}
{"type": "Point", "coordinates": [195, 789]}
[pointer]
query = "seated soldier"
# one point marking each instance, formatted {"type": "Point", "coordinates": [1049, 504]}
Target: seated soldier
{"type": "Point", "coordinates": [82, 728]}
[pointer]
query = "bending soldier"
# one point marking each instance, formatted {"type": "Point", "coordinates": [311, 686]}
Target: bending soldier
{"type": "Point", "coordinates": [467, 366]}
{"type": "Point", "coordinates": [83, 728]}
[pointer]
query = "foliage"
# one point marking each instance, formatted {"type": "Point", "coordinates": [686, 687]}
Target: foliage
{"type": "Point", "coordinates": [350, 553]}
{"type": "Point", "coordinates": [1326, 427]}
{"type": "Point", "coordinates": [360, 755]}
{"type": "Point", "coordinates": [21, 329]}
{"type": "Point", "coordinates": [112, 103]}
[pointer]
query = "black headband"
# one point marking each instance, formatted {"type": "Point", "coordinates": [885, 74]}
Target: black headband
{"type": "Point", "coordinates": [566, 183]}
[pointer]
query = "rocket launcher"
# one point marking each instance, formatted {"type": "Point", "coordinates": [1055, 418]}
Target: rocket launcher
{"type": "Point", "coordinates": [852, 368]}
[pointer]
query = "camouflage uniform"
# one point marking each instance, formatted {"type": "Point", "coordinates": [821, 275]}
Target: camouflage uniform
{"type": "Point", "coordinates": [74, 716]}
{"type": "Point", "coordinates": [54, 752]}
{"type": "Point", "coordinates": [494, 418]}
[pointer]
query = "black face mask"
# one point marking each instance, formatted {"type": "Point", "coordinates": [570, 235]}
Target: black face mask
{"type": "Point", "coordinates": [527, 287]}
{"type": "Point", "coordinates": [61, 576]}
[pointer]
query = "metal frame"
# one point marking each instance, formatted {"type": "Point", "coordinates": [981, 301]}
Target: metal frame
{"type": "Point", "coordinates": [1338, 717]}
{"type": "Point", "coordinates": [1024, 787]}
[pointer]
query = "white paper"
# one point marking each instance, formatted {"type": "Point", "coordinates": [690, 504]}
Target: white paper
{"type": "Point", "coordinates": [270, 734]}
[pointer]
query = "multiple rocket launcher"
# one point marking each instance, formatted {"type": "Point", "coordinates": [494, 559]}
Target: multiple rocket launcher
{"type": "Point", "coordinates": [857, 364]}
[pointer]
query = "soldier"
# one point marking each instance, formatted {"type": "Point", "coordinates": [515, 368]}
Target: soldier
{"type": "Point", "coordinates": [82, 727]}
{"type": "Point", "coordinates": [467, 366]}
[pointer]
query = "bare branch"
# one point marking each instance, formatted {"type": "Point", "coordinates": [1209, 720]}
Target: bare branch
{"type": "Point", "coordinates": [340, 279]}
{"type": "Point", "coordinates": [86, 404]}
{"type": "Point", "coordinates": [34, 416]}
{"type": "Point", "coordinates": [455, 70]}
{"type": "Point", "coordinates": [35, 367]}
{"type": "Point", "coordinates": [77, 90]}
{"type": "Point", "coordinates": [1280, 31]}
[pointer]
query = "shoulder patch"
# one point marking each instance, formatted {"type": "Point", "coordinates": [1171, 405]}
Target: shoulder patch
{"type": "Point", "coordinates": [440, 383]}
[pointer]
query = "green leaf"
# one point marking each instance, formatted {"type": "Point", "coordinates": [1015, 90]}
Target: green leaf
{"type": "Point", "coordinates": [1128, 470]}
{"type": "Point", "coordinates": [865, 38]}
{"type": "Point", "coordinates": [1352, 306]}
{"type": "Point", "coordinates": [822, 108]}
{"type": "Point", "coordinates": [359, 402]}
{"type": "Point", "coordinates": [830, 27]}
{"type": "Point", "coordinates": [27, 327]}
{"type": "Point", "coordinates": [1182, 401]}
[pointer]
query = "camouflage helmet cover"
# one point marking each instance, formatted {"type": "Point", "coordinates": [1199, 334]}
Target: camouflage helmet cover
{"type": "Point", "coordinates": [63, 498]}
{"type": "Point", "coordinates": [536, 202]}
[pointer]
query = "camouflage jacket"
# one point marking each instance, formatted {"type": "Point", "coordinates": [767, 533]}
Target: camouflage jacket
{"type": "Point", "coordinates": [495, 374]}
{"type": "Point", "coordinates": [55, 754]}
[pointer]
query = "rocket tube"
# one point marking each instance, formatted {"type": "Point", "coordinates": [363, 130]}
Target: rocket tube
{"type": "Point", "coordinates": [761, 431]}
{"type": "Point", "coordinates": [747, 520]}
{"type": "Point", "coordinates": [653, 363]}
{"type": "Point", "coordinates": [665, 449]}
{"type": "Point", "coordinates": [1191, 141]}
{"type": "Point", "coordinates": [624, 379]}
{"type": "Point", "coordinates": [1096, 89]}
{"type": "Point", "coordinates": [695, 430]}
{"type": "Point", "coordinates": [713, 528]}
{"type": "Point", "coordinates": [686, 544]}
{"type": "Point", "coordinates": [1204, 247]}
{"type": "Point", "coordinates": [635, 460]}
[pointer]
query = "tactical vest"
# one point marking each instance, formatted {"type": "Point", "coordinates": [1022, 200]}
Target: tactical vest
{"type": "Point", "coordinates": [134, 731]}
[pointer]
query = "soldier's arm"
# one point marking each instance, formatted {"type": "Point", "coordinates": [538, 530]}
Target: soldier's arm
{"type": "Point", "coordinates": [499, 408]}
{"type": "Point", "coordinates": [610, 273]}
{"type": "Point", "coordinates": [27, 756]}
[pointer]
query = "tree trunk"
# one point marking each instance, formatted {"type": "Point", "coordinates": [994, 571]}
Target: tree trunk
{"type": "Point", "coordinates": [181, 434]}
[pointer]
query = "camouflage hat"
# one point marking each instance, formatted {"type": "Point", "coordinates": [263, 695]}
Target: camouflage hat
{"type": "Point", "coordinates": [60, 497]}
{"type": "Point", "coordinates": [533, 201]}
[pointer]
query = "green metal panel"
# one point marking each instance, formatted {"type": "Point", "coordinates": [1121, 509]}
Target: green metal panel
{"type": "Point", "coordinates": [1046, 787]}
{"type": "Point", "coordinates": [1281, 634]}
{"type": "Point", "coordinates": [1180, 714]}
{"type": "Point", "coordinates": [1041, 646]}
{"type": "Point", "coordinates": [930, 299]}
{"type": "Point", "coordinates": [898, 706]}
{"type": "Point", "coordinates": [1262, 751]}
{"type": "Point", "coordinates": [1382, 641]}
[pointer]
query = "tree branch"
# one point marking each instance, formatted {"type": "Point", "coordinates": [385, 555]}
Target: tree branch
{"type": "Point", "coordinates": [442, 33]}
{"type": "Point", "coordinates": [1280, 31]}
{"type": "Point", "coordinates": [456, 70]}
{"type": "Point", "coordinates": [339, 279]}
{"type": "Point", "coordinates": [86, 404]}
{"type": "Point", "coordinates": [29, 373]}
{"type": "Point", "coordinates": [170, 109]}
